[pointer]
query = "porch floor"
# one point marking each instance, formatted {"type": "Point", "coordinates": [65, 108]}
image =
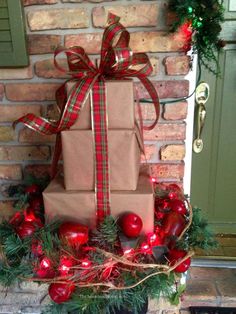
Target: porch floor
{"type": "Point", "coordinates": [206, 286]}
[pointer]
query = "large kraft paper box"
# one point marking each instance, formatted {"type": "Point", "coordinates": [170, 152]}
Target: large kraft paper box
{"type": "Point", "coordinates": [80, 205]}
{"type": "Point", "coordinates": [79, 159]}
{"type": "Point", "coordinates": [120, 106]}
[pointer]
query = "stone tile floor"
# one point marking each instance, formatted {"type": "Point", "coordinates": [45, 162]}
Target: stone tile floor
{"type": "Point", "coordinates": [205, 287]}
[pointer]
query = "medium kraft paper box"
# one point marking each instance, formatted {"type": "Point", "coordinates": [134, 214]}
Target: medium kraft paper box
{"type": "Point", "coordinates": [79, 159]}
{"type": "Point", "coordinates": [120, 106]}
{"type": "Point", "coordinates": [80, 205]}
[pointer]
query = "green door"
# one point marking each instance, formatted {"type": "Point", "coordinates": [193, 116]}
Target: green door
{"type": "Point", "coordinates": [213, 185]}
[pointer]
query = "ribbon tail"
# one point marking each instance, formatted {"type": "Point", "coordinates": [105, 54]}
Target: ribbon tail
{"type": "Point", "coordinates": [37, 124]}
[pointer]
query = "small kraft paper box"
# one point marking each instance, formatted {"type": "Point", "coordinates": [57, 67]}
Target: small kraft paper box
{"type": "Point", "coordinates": [80, 205]}
{"type": "Point", "coordinates": [120, 106]}
{"type": "Point", "coordinates": [124, 151]}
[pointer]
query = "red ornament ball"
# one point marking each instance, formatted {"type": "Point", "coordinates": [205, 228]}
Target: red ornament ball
{"type": "Point", "coordinates": [174, 256]}
{"type": "Point", "coordinates": [178, 206]}
{"type": "Point", "coordinates": [131, 225]}
{"type": "Point", "coordinates": [73, 233]}
{"type": "Point", "coordinates": [65, 265]}
{"type": "Point", "coordinates": [33, 189]}
{"type": "Point", "coordinates": [27, 228]}
{"type": "Point", "coordinates": [162, 204]}
{"type": "Point", "coordinates": [61, 292]}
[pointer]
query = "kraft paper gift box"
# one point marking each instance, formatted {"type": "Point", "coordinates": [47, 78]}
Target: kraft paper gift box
{"type": "Point", "coordinates": [120, 106]}
{"type": "Point", "coordinates": [78, 158]}
{"type": "Point", "coordinates": [80, 205]}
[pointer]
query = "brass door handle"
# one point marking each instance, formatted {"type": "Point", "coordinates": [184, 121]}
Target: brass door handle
{"type": "Point", "coordinates": [202, 95]}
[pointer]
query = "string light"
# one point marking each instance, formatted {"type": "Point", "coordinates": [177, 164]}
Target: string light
{"type": "Point", "coordinates": [45, 263]}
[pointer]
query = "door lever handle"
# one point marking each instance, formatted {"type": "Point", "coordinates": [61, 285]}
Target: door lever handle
{"type": "Point", "coordinates": [202, 95]}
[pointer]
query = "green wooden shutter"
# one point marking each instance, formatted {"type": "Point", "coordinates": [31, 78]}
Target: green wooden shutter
{"type": "Point", "coordinates": [13, 52]}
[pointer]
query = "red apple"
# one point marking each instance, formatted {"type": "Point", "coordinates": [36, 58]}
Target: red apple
{"type": "Point", "coordinates": [131, 225]}
{"type": "Point", "coordinates": [28, 228]}
{"type": "Point", "coordinates": [178, 206]}
{"type": "Point", "coordinates": [174, 256]}
{"type": "Point", "coordinates": [61, 292]}
{"type": "Point", "coordinates": [73, 233]}
{"type": "Point", "coordinates": [173, 224]}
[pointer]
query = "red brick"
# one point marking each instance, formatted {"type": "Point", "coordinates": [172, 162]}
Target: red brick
{"type": "Point", "coordinates": [139, 42]}
{"type": "Point", "coordinates": [6, 209]}
{"type": "Point", "coordinates": [1, 91]}
{"type": "Point", "coordinates": [31, 2]}
{"type": "Point", "coordinates": [47, 69]}
{"type": "Point", "coordinates": [9, 113]}
{"type": "Point", "coordinates": [156, 41]}
{"type": "Point", "coordinates": [175, 111]}
{"type": "Point", "coordinates": [167, 171]}
{"type": "Point", "coordinates": [27, 135]}
{"type": "Point", "coordinates": [166, 89]}
{"type": "Point", "coordinates": [131, 15]}
{"type": "Point", "coordinates": [171, 18]}
{"type": "Point", "coordinates": [40, 44]}
{"type": "Point", "coordinates": [21, 153]}
{"type": "Point", "coordinates": [166, 132]}
{"type": "Point", "coordinates": [7, 134]}
{"type": "Point", "coordinates": [39, 171]}
{"type": "Point", "coordinates": [14, 74]}
{"type": "Point", "coordinates": [178, 65]}
{"type": "Point", "coordinates": [31, 92]}
{"type": "Point", "coordinates": [172, 152]}
{"type": "Point", "coordinates": [90, 42]}
{"type": "Point", "coordinates": [10, 172]}
{"type": "Point", "coordinates": [148, 111]}
{"type": "Point", "coordinates": [58, 19]}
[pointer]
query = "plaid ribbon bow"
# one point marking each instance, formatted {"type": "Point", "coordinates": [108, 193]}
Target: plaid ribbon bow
{"type": "Point", "coordinates": [117, 61]}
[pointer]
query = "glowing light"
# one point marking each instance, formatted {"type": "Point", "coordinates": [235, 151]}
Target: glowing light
{"type": "Point", "coordinates": [128, 251]}
{"type": "Point", "coordinates": [145, 248]}
{"type": "Point", "coordinates": [86, 263]}
{"type": "Point", "coordinates": [45, 263]}
{"type": "Point", "coordinates": [153, 180]}
{"type": "Point", "coordinates": [29, 215]}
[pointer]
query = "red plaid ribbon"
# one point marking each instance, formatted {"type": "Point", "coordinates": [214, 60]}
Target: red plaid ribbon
{"type": "Point", "coordinates": [117, 61]}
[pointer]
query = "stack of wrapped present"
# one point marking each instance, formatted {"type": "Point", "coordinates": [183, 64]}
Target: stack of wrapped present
{"type": "Point", "coordinates": [71, 195]}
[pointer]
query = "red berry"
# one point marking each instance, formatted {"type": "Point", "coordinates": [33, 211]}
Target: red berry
{"type": "Point", "coordinates": [32, 189]}
{"type": "Point", "coordinates": [174, 256]}
{"type": "Point", "coordinates": [36, 248]}
{"type": "Point", "coordinates": [178, 206]}
{"type": "Point", "coordinates": [73, 233]}
{"type": "Point", "coordinates": [131, 225]}
{"type": "Point", "coordinates": [61, 292]}
{"type": "Point", "coordinates": [26, 229]}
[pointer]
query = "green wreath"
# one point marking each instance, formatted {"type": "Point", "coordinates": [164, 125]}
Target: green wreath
{"type": "Point", "coordinates": [204, 17]}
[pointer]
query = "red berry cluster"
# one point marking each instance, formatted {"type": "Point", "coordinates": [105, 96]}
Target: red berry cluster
{"type": "Point", "coordinates": [171, 216]}
{"type": "Point", "coordinates": [28, 221]}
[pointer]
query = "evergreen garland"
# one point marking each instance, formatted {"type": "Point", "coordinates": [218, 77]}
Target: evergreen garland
{"type": "Point", "coordinates": [205, 17]}
{"type": "Point", "coordinates": [19, 263]}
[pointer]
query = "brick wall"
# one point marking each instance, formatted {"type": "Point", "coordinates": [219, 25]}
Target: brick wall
{"type": "Point", "coordinates": [31, 89]}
